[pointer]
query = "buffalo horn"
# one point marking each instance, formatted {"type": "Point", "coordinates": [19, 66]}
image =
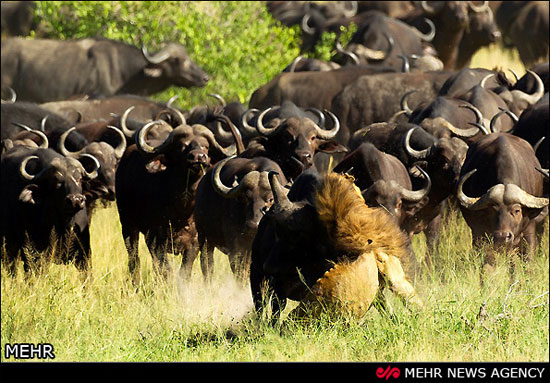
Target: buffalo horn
{"type": "Point", "coordinates": [484, 80]}
{"type": "Point", "coordinates": [530, 98]}
{"type": "Point", "coordinates": [430, 9]}
{"type": "Point", "coordinates": [219, 98]}
{"type": "Point", "coordinates": [121, 148]}
{"type": "Point", "coordinates": [23, 169]}
{"type": "Point", "coordinates": [544, 172]}
{"type": "Point", "coordinates": [260, 126]}
{"type": "Point", "coordinates": [251, 131]}
{"type": "Point", "coordinates": [142, 134]}
{"type": "Point", "coordinates": [405, 105]}
{"type": "Point", "coordinates": [295, 62]}
{"type": "Point", "coordinates": [249, 180]}
{"type": "Point", "coordinates": [405, 67]}
{"type": "Point", "coordinates": [328, 134]}
{"type": "Point", "coordinates": [280, 198]}
{"type": "Point", "coordinates": [61, 145]}
{"type": "Point", "coordinates": [93, 174]}
{"type": "Point", "coordinates": [209, 135]}
{"type": "Point", "coordinates": [482, 128]}
{"type": "Point", "coordinates": [350, 55]}
{"type": "Point", "coordinates": [305, 25]}
{"type": "Point", "coordinates": [171, 101]}
{"type": "Point", "coordinates": [155, 59]}
{"type": "Point", "coordinates": [514, 73]}
{"type": "Point", "coordinates": [496, 116]}
{"type": "Point", "coordinates": [127, 132]}
{"type": "Point", "coordinates": [418, 154]}
{"type": "Point", "coordinates": [416, 196]}
{"type": "Point", "coordinates": [464, 133]}
{"type": "Point", "coordinates": [13, 96]}
{"type": "Point", "coordinates": [537, 144]}
{"type": "Point", "coordinates": [319, 114]}
{"type": "Point", "coordinates": [499, 192]}
{"type": "Point", "coordinates": [429, 36]}
{"type": "Point", "coordinates": [373, 54]}
{"type": "Point", "coordinates": [477, 112]}
{"type": "Point", "coordinates": [350, 12]}
{"type": "Point", "coordinates": [478, 8]}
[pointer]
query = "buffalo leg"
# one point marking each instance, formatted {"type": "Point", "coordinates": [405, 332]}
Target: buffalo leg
{"type": "Point", "coordinates": [207, 261]}
{"type": "Point", "coordinates": [83, 251]}
{"type": "Point", "coordinates": [529, 242]}
{"type": "Point", "coordinates": [131, 240]}
{"type": "Point", "coordinates": [261, 288]}
{"type": "Point", "coordinates": [10, 256]}
{"type": "Point", "coordinates": [432, 238]}
{"type": "Point", "coordinates": [240, 264]}
{"type": "Point", "coordinates": [158, 247]}
{"type": "Point", "coordinates": [188, 258]}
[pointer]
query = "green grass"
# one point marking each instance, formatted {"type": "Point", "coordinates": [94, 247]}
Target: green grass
{"type": "Point", "coordinates": [107, 319]}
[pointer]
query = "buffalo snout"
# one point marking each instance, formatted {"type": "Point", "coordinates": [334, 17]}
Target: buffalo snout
{"type": "Point", "coordinates": [197, 157]}
{"type": "Point", "coordinates": [75, 202]}
{"type": "Point", "coordinates": [503, 237]}
{"type": "Point", "coordinates": [495, 36]}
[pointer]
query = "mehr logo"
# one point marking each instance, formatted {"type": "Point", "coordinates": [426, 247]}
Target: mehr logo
{"type": "Point", "coordinates": [389, 372]}
{"type": "Point", "coordinates": [29, 351]}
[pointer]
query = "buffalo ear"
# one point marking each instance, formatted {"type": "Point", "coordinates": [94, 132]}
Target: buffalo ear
{"type": "Point", "coordinates": [153, 72]}
{"type": "Point", "coordinates": [538, 215]}
{"type": "Point", "coordinates": [332, 147]}
{"type": "Point", "coordinates": [30, 194]}
{"type": "Point", "coordinates": [411, 208]}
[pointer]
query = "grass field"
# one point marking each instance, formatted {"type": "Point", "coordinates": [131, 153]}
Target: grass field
{"type": "Point", "coordinates": [107, 319]}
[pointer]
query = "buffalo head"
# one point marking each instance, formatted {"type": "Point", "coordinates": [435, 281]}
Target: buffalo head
{"type": "Point", "coordinates": [174, 64]}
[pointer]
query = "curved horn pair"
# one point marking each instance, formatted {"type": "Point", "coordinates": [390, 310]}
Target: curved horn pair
{"type": "Point", "coordinates": [248, 181]}
{"type": "Point", "coordinates": [499, 192]}
{"type": "Point", "coordinates": [45, 143]}
{"type": "Point", "coordinates": [119, 150]}
{"type": "Point", "coordinates": [144, 147]}
{"type": "Point", "coordinates": [321, 133]}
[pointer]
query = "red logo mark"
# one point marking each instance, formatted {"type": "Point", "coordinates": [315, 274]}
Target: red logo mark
{"type": "Point", "coordinates": [388, 372]}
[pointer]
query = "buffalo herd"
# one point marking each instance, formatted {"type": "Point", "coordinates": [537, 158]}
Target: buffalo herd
{"type": "Point", "coordinates": [325, 174]}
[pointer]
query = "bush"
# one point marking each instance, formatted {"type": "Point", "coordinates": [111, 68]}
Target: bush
{"type": "Point", "coordinates": [238, 44]}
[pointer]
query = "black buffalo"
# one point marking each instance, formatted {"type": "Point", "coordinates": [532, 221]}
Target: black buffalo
{"type": "Point", "coordinates": [94, 67]}
{"type": "Point", "coordinates": [231, 199]}
{"type": "Point", "coordinates": [42, 199]}
{"type": "Point", "coordinates": [155, 187]}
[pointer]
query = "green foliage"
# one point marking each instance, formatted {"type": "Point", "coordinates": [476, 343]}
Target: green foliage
{"type": "Point", "coordinates": [238, 44]}
{"type": "Point", "coordinates": [325, 49]}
